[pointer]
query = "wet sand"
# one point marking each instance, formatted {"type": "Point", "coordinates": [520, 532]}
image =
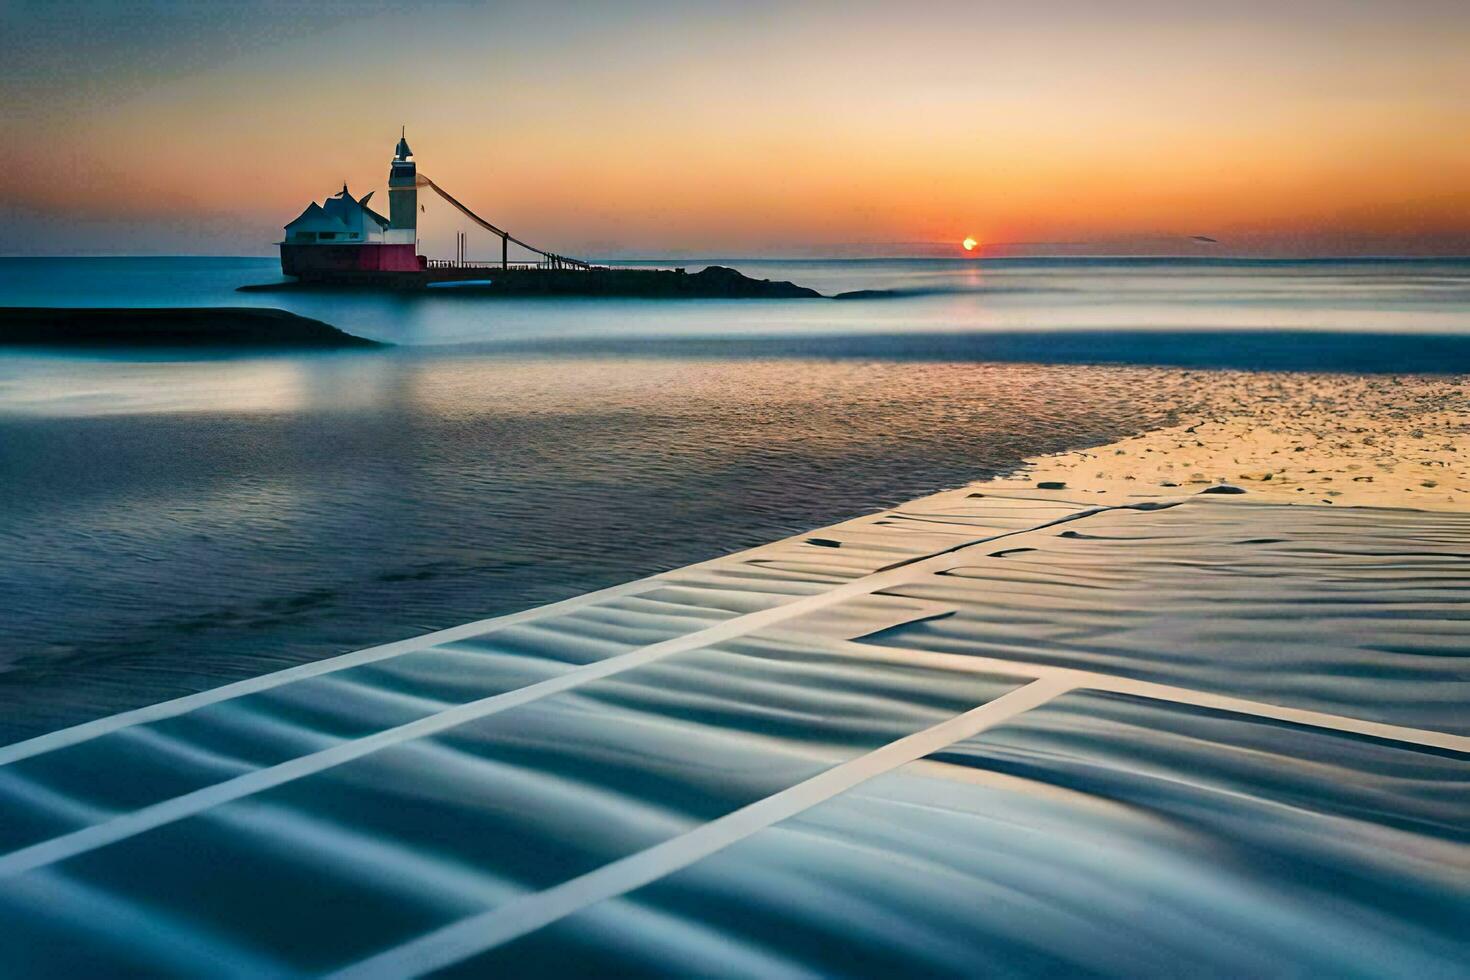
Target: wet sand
{"type": "Point", "coordinates": [1116, 727]}
{"type": "Point", "coordinates": [1029, 728]}
{"type": "Point", "coordinates": [1340, 440]}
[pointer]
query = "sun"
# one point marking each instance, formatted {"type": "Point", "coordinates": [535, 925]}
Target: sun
{"type": "Point", "coordinates": [969, 244]}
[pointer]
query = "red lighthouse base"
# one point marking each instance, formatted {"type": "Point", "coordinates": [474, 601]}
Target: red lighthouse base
{"type": "Point", "coordinates": [345, 263]}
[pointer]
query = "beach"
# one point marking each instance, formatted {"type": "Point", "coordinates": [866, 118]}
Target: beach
{"type": "Point", "coordinates": [890, 640]}
{"type": "Point", "coordinates": [1344, 440]}
{"type": "Point", "coordinates": [764, 492]}
{"type": "Point", "coordinates": [1075, 718]}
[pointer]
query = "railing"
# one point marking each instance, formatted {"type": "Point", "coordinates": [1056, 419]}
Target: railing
{"type": "Point", "coordinates": [552, 263]}
{"type": "Point", "coordinates": [456, 264]}
{"type": "Point", "coordinates": [550, 260]}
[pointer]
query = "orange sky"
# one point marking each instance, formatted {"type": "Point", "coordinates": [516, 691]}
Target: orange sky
{"type": "Point", "coordinates": [666, 129]}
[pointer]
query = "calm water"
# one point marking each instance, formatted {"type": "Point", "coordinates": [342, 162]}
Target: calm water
{"type": "Point", "coordinates": [170, 524]}
{"type": "Point", "coordinates": [167, 525]}
{"type": "Point", "coordinates": [936, 297]}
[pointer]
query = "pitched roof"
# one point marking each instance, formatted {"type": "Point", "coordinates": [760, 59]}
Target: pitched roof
{"type": "Point", "coordinates": [339, 213]}
{"type": "Point", "coordinates": [371, 213]}
{"type": "Point", "coordinates": [316, 218]}
{"type": "Point", "coordinates": [350, 211]}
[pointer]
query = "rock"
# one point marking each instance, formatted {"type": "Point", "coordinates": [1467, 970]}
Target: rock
{"type": "Point", "coordinates": [722, 281]}
{"type": "Point", "coordinates": [713, 282]}
{"type": "Point", "coordinates": [1222, 488]}
{"type": "Point", "coordinates": [169, 327]}
{"type": "Point", "coordinates": [1051, 485]}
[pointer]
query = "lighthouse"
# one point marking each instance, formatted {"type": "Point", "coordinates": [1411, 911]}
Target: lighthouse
{"type": "Point", "coordinates": [403, 196]}
{"type": "Point", "coordinates": [344, 240]}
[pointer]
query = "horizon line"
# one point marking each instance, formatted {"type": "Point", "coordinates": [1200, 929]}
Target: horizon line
{"type": "Point", "coordinates": [972, 258]}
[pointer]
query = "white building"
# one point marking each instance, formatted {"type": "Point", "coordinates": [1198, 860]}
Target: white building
{"type": "Point", "coordinates": [341, 219]}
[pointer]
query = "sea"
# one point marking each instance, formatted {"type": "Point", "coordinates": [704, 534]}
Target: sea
{"type": "Point", "coordinates": [169, 523]}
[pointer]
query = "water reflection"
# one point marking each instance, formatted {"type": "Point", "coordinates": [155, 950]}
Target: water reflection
{"type": "Point", "coordinates": [82, 387]}
{"type": "Point", "coordinates": [1407, 296]}
{"type": "Point", "coordinates": [169, 526]}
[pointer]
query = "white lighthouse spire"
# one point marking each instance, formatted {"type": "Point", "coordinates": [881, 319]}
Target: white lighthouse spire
{"type": "Point", "coordinates": [403, 197]}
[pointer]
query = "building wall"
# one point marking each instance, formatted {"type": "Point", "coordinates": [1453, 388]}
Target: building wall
{"type": "Point", "coordinates": [328, 261]}
{"type": "Point", "coordinates": [403, 203]}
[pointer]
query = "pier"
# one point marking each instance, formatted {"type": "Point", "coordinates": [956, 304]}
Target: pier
{"type": "Point", "coordinates": [345, 243]}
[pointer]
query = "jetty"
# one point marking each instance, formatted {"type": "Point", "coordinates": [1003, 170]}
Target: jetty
{"type": "Point", "coordinates": [343, 242]}
{"type": "Point", "coordinates": [190, 327]}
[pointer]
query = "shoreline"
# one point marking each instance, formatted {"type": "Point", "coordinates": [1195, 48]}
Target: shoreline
{"type": "Point", "coordinates": [1035, 668]}
{"type": "Point", "coordinates": [1101, 665]}
{"type": "Point", "coordinates": [1317, 441]}
{"type": "Point", "coordinates": [1333, 440]}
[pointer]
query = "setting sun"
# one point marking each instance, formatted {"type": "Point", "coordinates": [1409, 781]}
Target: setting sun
{"type": "Point", "coordinates": [969, 244]}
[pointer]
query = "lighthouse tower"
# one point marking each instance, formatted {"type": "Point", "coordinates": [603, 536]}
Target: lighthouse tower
{"type": "Point", "coordinates": [403, 197]}
{"type": "Point", "coordinates": [344, 240]}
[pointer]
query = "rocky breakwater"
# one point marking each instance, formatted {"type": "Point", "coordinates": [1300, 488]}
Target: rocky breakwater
{"type": "Point", "coordinates": [202, 327]}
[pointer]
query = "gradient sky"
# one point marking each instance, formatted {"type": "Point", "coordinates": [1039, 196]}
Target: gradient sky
{"type": "Point", "coordinates": [1283, 127]}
